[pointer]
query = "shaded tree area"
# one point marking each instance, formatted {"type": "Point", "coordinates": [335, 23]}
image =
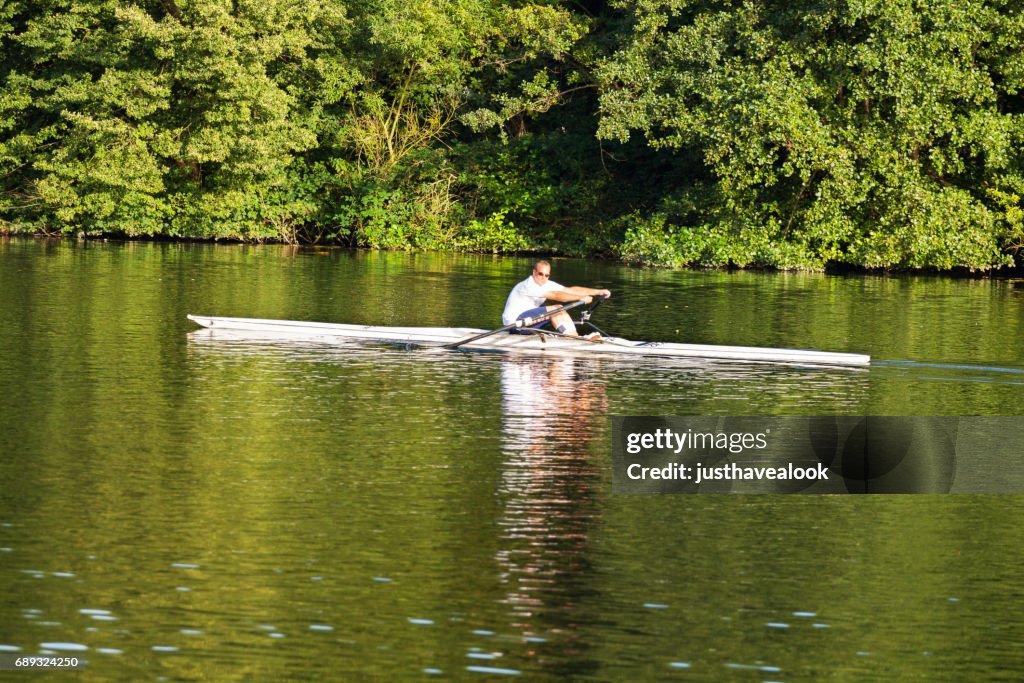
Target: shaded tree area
{"type": "Point", "coordinates": [669, 132]}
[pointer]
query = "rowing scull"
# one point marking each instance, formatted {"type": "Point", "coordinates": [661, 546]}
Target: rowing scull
{"type": "Point", "coordinates": [537, 342]}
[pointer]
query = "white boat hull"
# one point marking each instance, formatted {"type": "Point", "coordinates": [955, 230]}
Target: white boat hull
{"type": "Point", "coordinates": [544, 343]}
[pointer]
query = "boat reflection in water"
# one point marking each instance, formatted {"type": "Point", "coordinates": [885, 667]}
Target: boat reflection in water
{"type": "Point", "coordinates": [554, 429]}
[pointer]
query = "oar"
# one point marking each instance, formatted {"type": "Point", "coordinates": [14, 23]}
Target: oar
{"type": "Point", "coordinates": [525, 322]}
{"type": "Point", "coordinates": [585, 316]}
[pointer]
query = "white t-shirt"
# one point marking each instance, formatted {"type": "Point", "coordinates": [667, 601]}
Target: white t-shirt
{"type": "Point", "coordinates": [526, 295]}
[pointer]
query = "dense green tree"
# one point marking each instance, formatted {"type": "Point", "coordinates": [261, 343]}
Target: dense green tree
{"type": "Point", "coordinates": [706, 132]}
{"type": "Point", "coordinates": [874, 133]}
{"type": "Point", "coordinates": [431, 70]}
{"type": "Point", "coordinates": [163, 117]}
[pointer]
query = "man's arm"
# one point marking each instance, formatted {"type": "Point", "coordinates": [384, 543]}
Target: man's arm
{"type": "Point", "coordinates": [567, 295]}
{"type": "Point", "coordinates": [587, 291]}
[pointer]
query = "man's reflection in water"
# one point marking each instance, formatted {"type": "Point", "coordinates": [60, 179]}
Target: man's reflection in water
{"type": "Point", "coordinates": [555, 428]}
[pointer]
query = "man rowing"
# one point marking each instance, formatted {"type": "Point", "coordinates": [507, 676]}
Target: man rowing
{"type": "Point", "coordinates": [527, 300]}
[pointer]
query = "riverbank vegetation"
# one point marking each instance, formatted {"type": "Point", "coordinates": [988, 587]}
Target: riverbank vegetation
{"type": "Point", "coordinates": [671, 132]}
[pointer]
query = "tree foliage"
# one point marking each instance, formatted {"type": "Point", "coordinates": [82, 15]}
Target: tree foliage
{"type": "Point", "coordinates": [677, 132]}
{"type": "Point", "coordinates": [183, 120]}
{"type": "Point", "coordinates": [875, 133]}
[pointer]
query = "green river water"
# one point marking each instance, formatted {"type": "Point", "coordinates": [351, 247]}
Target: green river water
{"type": "Point", "coordinates": [176, 506]}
